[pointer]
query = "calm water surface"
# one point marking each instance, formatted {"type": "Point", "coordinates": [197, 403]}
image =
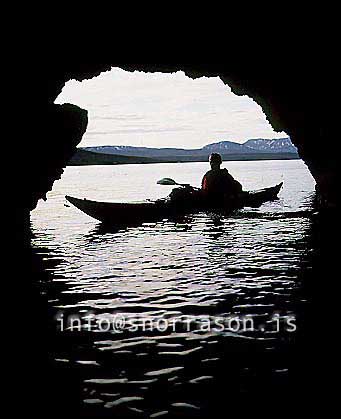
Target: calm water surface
{"type": "Point", "coordinates": [199, 267]}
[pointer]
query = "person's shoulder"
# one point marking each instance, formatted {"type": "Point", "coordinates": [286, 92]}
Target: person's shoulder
{"type": "Point", "coordinates": [225, 171]}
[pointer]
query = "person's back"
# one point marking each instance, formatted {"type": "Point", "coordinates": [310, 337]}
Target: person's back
{"type": "Point", "coordinates": [217, 184]}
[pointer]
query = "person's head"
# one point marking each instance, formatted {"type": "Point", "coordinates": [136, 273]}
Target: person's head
{"type": "Point", "coordinates": [215, 160]}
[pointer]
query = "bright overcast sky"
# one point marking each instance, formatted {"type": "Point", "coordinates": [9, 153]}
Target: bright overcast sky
{"type": "Point", "coordinates": [164, 110]}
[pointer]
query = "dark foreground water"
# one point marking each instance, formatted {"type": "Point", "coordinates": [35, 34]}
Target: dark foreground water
{"type": "Point", "coordinates": [178, 317]}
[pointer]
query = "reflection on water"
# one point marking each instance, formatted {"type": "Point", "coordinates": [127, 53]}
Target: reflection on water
{"type": "Point", "coordinates": [200, 266]}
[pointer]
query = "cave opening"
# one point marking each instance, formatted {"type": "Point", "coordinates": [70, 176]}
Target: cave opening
{"type": "Point", "coordinates": [288, 101]}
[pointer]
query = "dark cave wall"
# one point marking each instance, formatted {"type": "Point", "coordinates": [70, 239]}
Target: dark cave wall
{"type": "Point", "coordinates": [290, 98]}
{"type": "Point", "coordinates": [66, 126]}
{"type": "Point", "coordinates": [43, 158]}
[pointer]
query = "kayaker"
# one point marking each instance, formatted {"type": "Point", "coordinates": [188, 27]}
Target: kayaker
{"type": "Point", "coordinates": [218, 184]}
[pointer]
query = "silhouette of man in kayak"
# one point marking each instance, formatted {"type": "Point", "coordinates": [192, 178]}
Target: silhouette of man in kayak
{"type": "Point", "coordinates": [217, 184]}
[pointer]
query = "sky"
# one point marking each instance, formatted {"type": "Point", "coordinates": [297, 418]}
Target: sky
{"type": "Point", "coordinates": [164, 110]}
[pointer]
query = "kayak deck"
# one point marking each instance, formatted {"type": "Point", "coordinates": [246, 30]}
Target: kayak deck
{"type": "Point", "coordinates": [127, 213]}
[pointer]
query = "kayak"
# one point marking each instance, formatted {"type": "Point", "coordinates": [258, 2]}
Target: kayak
{"type": "Point", "coordinates": [115, 213]}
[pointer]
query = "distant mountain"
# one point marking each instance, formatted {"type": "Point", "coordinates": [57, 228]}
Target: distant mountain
{"type": "Point", "coordinates": [255, 149]}
{"type": "Point", "coordinates": [253, 146]}
{"type": "Point", "coordinates": [279, 145]}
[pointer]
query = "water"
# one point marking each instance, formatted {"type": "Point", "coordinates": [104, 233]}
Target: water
{"type": "Point", "coordinates": [185, 275]}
